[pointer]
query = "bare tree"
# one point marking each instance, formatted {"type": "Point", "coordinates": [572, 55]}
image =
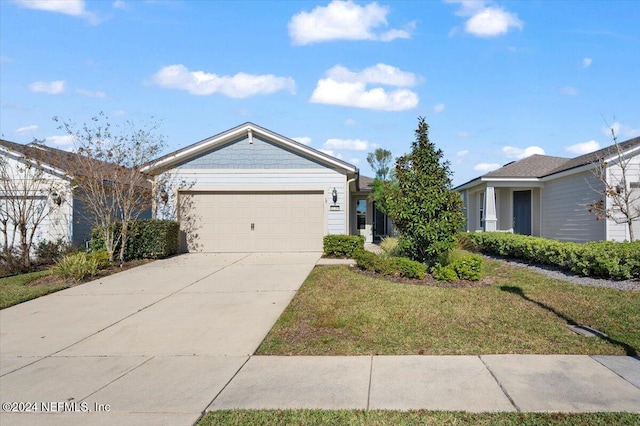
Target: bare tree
{"type": "Point", "coordinates": [620, 202]}
{"type": "Point", "coordinates": [28, 193]}
{"type": "Point", "coordinates": [109, 182]}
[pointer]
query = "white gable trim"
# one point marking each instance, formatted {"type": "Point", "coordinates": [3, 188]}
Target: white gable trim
{"type": "Point", "coordinates": [250, 130]}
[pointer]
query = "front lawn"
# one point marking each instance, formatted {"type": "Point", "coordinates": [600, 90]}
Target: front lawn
{"type": "Point", "coordinates": [340, 311]}
{"type": "Point", "coordinates": [435, 418]}
{"type": "Point", "coordinates": [19, 288]}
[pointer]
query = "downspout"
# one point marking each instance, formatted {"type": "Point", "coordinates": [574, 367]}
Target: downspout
{"type": "Point", "coordinates": [348, 203]}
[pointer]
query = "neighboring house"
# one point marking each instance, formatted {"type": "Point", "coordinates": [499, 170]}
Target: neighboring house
{"type": "Point", "coordinates": [250, 189]}
{"type": "Point", "coordinates": [549, 196]}
{"type": "Point", "coordinates": [66, 217]}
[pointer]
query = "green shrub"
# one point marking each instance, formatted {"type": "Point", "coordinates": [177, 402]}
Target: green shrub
{"type": "Point", "coordinates": [443, 273]}
{"type": "Point", "coordinates": [459, 266]}
{"type": "Point", "coordinates": [390, 246]}
{"type": "Point", "coordinates": [79, 265]}
{"type": "Point", "coordinates": [410, 268]}
{"type": "Point", "coordinates": [148, 239]}
{"type": "Point", "coordinates": [468, 267]}
{"type": "Point", "coordinates": [605, 259]}
{"type": "Point", "coordinates": [390, 266]}
{"type": "Point", "coordinates": [342, 245]}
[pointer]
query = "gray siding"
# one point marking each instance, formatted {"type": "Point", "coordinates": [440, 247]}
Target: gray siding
{"type": "Point", "coordinates": [241, 154]}
{"type": "Point", "coordinates": [564, 209]}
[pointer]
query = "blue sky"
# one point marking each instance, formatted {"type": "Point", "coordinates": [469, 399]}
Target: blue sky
{"type": "Point", "coordinates": [496, 80]}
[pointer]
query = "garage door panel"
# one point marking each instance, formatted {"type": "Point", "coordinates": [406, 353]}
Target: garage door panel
{"type": "Point", "coordinates": [283, 221]}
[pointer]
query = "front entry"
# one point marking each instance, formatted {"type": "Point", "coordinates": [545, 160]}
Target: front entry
{"type": "Point", "coordinates": [522, 212]}
{"type": "Point", "coordinates": [380, 224]}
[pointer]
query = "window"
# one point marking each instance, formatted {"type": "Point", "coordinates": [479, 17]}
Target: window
{"type": "Point", "coordinates": [361, 214]}
{"type": "Point", "coordinates": [481, 204]}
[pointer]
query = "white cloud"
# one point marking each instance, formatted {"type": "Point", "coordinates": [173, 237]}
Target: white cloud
{"type": "Point", "coordinates": [349, 144]}
{"type": "Point", "coordinates": [586, 62]}
{"type": "Point", "coordinates": [6, 59]}
{"type": "Point", "coordinates": [118, 113]}
{"type": "Point", "coordinates": [379, 73]}
{"type": "Point", "coordinates": [27, 129]}
{"type": "Point", "coordinates": [463, 134]}
{"type": "Point", "coordinates": [52, 88]}
{"type": "Point", "coordinates": [491, 22]}
{"type": "Point", "coordinates": [331, 153]}
{"type": "Point", "coordinates": [240, 85]}
{"type": "Point", "coordinates": [354, 161]}
{"type": "Point", "coordinates": [486, 167]}
{"type": "Point", "coordinates": [583, 148]}
{"type": "Point", "coordinates": [621, 130]}
{"type": "Point", "coordinates": [305, 140]}
{"type": "Point", "coordinates": [64, 142]}
{"type": "Point", "coordinates": [350, 122]}
{"type": "Point", "coordinates": [485, 21]}
{"type": "Point", "coordinates": [519, 153]}
{"type": "Point", "coordinates": [119, 4]}
{"type": "Point", "coordinates": [74, 8]}
{"type": "Point", "coordinates": [91, 93]}
{"type": "Point", "coordinates": [343, 20]}
{"type": "Point", "coordinates": [348, 88]}
{"type": "Point", "coordinates": [438, 108]}
{"type": "Point", "coordinates": [462, 153]}
{"type": "Point", "coordinates": [569, 91]}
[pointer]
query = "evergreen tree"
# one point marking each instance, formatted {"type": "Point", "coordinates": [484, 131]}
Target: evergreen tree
{"type": "Point", "coordinates": [423, 206]}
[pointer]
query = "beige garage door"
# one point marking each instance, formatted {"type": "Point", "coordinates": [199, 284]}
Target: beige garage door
{"type": "Point", "coordinates": [252, 221]}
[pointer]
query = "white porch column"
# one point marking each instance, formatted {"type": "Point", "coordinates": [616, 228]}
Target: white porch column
{"type": "Point", "coordinates": [491, 219]}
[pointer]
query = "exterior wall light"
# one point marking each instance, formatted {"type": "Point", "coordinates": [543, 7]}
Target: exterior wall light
{"type": "Point", "coordinates": [334, 194]}
{"type": "Point", "coordinates": [56, 198]}
{"type": "Point", "coordinates": [164, 197]}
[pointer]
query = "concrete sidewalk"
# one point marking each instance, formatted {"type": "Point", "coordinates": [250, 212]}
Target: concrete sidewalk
{"type": "Point", "coordinates": [523, 383]}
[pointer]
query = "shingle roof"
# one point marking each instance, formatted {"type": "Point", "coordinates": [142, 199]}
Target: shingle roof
{"type": "Point", "coordinates": [364, 183]}
{"type": "Point", "coordinates": [595, 156]}
{"type": "Point", "coordinates": [53, 157]}
{"type": "Point", "coordinates": [539, 166]}
{"type": "Point", "coordinates": [534, 166]}
{"type": "Point", "coordinates": [62, 160]}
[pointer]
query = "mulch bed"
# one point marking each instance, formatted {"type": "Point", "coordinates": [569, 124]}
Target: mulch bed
{"type": "Point", "coordinates": [428, 280]}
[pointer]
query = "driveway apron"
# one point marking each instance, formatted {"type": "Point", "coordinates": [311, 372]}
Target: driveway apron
{"type": "Point", "coordinates": [151, 345]}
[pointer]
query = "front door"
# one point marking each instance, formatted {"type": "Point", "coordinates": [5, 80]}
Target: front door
{"type": "Point", "coordinates": [522, 212]}
{"type": "Point", "coordinates": [379, 224]}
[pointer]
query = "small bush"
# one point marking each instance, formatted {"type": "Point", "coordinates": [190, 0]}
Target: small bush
{"type": "Point", "coordinates": [342, 245]}
{"type": "Point", "coordinates": [79, 265]}
{"type": "Point", "coordinates": [460, 266]}
{"type": "Point", "coordinates": [390, 246]}
{"type": "Point", "coordinates": [443, 273]}
{"type": "Point", "coordinates": [605, 259]}
{"type": "Point", "coordinates": [390, 266]}
{"type": "Point", "coordinates": [410, 268]}
{"type": "Point", "coordinates": [49, 252]}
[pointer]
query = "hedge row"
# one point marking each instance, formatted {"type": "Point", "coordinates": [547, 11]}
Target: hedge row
{"type": "Point", "coordinates": [342, 245]}
{"type": "Point", "coordinates": [599, 259]}
{"type": "Point", "coordinates": [467, 267]}
{"type": "Point", "coordinates": [390, 266]}
{"type": "Point", "coordinates": [148, 239]}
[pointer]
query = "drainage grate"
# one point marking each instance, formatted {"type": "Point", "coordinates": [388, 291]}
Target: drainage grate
{"type": "Point", "coordinates": [585, 331]}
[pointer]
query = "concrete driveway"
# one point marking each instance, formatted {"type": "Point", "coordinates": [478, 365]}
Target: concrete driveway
{"type": "Point", "coordinates": [152, 345]}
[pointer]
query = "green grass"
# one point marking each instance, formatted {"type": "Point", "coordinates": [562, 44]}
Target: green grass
{"type": "Point", "coordinates": [437, 418]}
{"type": "Point", "coordinates": [339, 311]}
{"type": "Point", "coordinates": [15, 289]}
